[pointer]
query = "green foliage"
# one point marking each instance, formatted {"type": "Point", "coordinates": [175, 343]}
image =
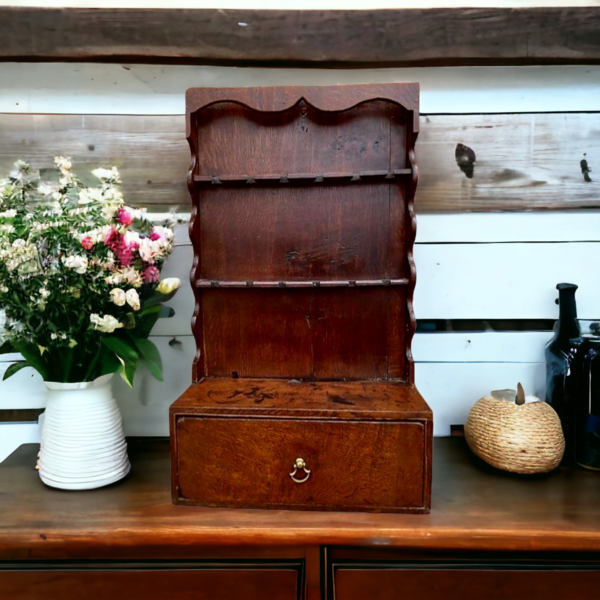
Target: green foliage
{"type": "Point", "coordinates": [79, 275]}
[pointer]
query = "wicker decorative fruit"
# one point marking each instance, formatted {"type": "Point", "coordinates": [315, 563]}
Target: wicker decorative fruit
{"type": "Point", "coordinates": [516, 436]}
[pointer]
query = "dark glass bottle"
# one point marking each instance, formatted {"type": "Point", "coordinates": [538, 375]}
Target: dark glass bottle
{"type": "Point", "coordinates": [587, 409]}
{"type": "Point", "coordinates": [562, 367]}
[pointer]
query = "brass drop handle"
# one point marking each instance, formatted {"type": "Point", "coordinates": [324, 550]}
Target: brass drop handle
{"type": "Point", "coordinates": [299, 465]}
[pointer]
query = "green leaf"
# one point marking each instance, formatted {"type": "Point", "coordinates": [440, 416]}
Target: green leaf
{"type": "Point", "coordinates": [123, 347]}
{"type": "Point", "coordinates": [128, 372]}
{"type": "Point", "coordinates": [146, 321]}
{"type": "Point", "coordinates": [6, 347]}
{"type": "Point", "coordinates": [150, 356]}
{"type": "Point", "coordinates": [166, 312]}
{"type": "Point", "coordinates": [14, 368]}
{"type": "Point", "coordinates": [109, 362]}
{"type": "Point", "coordinates": [32, 355]}
{"type": "Point", "coordinates": [129, 321]}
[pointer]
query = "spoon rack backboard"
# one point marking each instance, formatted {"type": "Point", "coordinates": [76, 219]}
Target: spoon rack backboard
{"type": "Point", "coordinates": [303, 229]}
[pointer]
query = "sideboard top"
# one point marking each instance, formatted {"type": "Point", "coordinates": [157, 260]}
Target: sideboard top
{"type": "Point", "coordinates": [473, 509]}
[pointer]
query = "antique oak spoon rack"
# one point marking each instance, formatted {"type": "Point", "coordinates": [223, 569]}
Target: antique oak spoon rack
{"type": "Point", "coordinates": [303, 226]}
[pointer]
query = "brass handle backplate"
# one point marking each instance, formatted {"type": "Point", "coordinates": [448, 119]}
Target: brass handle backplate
{"type": "Point", "coordinates": [299, 465]}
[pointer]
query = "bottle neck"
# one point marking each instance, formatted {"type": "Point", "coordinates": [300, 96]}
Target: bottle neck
{"type": "Point", "coordinates": [568, 326]}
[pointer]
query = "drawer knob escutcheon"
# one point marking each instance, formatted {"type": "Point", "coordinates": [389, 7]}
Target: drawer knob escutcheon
{"type": "Point", "coordinates": [299, 465]}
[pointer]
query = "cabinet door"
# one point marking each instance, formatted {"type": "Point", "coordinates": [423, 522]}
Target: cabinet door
{"type": "Point", "coordinates": [464, 583]}
{"type": "Point", "coordinates": [106, 582]}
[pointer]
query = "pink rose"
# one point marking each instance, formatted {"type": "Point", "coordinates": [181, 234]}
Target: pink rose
{"type": "Point", "coordinates": [112, 238]}
{"type": "Point", "coordinates": [125, 217]}
{"type": "Point", "coordinates": [154, 236]}
{"type": "Point", "coordinates": [116, 242]}
{"type": "Point", "coordinates": [151, 274]}
{"type": "Point", "coordinates": [87, 243]}
{"type": "Point", "coordinates": [124, 254]}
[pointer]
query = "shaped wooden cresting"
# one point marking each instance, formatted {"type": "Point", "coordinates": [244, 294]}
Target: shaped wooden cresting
{"type": "Point", "coordinates": [303, 229]}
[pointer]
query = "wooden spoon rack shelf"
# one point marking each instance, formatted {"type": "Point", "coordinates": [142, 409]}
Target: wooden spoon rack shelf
{"type": "Point", "coordinates": [303, 228]}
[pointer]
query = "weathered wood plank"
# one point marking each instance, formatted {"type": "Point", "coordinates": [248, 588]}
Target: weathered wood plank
{"type": "Point", "coordinates": [523, 161]}
{"type": "Point", "coordinates": [420, 37]}
{"type": "Point", "coordinates": [151, 151]}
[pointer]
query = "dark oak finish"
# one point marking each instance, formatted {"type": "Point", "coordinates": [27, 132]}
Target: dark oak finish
{"type": "Point", "coordinates": [476, 510]}
{"type": "Point", "coordinates": [464, 583]}
{"type": "Point", "coordinates": [158, 582]}
{"type": "Point", "coordinates": [303, 228]}
{"type": "Point", "coordinates": [363, 38]}
{"type": "Point", "coordinates": [236, 442]}
{"type": "Point", "coordinates": [491, 535]}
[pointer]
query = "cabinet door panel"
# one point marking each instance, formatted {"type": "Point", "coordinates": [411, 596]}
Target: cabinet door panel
{"type": "Point", "coordinates": [465, 584]}
{"type": "Point", "coordinates": [252, 584]}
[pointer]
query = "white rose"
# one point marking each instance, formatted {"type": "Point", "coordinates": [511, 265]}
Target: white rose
{"type": "Point", "coordinates": [46, 189]}
{"type": "Point", "coordinates": [133, 299]}
{"type": "Point", "coordinates": [111, 174]}
{"type": "Point", "coordinates": [169, 285]}
{"type": "Point", "coordinates": [147, 249]}
{"type": "Point", "coordinates": [8, 214]}
{"type": "Point", "coordinates": [106, 324]}
{"type": "Point", "coordinates": [64, 164]}
{"type": "Point", "coordinates": [78, 263]}
{"type": "Point", "coordinates": [131, 236]}
{"type": "Point", "coordinates": [90, 195]}
{"type": "Point", "coordinates": [118, 296]}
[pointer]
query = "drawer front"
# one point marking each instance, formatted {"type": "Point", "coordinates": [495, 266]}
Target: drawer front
{"type": "Point", "coordinates": [237, 462]}
{"type": "Point", "coordinates": [258, 584]}
{"type": "Point", "coordinates": [466, 584]}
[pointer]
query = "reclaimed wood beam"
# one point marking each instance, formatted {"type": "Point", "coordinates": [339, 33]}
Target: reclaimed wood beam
{"type": "Point", "coordinates": [505, 162]}
{"type": "Point", "coordinates": [336, 38]}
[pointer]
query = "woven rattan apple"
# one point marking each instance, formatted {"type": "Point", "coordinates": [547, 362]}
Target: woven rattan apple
{"type": "Point", "coordinates": [516, 436]}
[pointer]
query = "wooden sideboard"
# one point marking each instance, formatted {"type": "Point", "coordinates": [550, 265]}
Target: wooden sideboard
{"type": "Point", "coordinates": [488, 535]}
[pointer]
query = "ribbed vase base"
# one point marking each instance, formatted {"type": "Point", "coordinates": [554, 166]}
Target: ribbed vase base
{"type": "Point", "coordinates": [82, 445]}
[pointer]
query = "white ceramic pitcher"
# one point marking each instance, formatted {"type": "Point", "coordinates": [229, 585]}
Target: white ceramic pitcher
{"type": "Point", "coordinates": [82, 443]}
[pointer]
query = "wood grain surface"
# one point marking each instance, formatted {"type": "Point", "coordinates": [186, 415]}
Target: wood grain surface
{"type": "Point", "coordinates": [474, 509]}
{"type": "Point", "coordinates": [196, 582]}
{"type": "Point", "coordinates": [467, 584]}
{"type": "Point", "coordinates": [523, 161]}
{"type": "Point", "coordinates": [455, 36]}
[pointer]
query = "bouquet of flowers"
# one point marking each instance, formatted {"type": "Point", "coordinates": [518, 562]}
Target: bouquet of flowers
{"type": "Point", "coordinates": [79, 276]}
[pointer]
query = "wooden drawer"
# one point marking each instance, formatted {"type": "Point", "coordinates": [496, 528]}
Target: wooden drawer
{"type": "Point", "coordinates": [105, 583]}
{"type": "Point", "coordinates": [241, 462]}
{"type": "Point", "coordinates": [501, 583]}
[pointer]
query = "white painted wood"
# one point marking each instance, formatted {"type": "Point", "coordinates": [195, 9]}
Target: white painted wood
{"type": "Point", "coordinates": [451, 389]}
{"type": "Point", "coordinates": [573, 226]}
{"type": "Point", "coordinates": [25, 389]}
{"type": "Point", "coordinates": [481, 347]}
{"type": "Point", "coordinates": [13, 435]}
{"type": "Point", "coordinates": [145, 408]}
{"type": "Point", "coordinates": [504, 281]}
{"type": "Point", "coordinates": [86, 88]}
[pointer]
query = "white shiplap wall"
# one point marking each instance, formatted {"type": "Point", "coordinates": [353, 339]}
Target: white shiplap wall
{"type": "Point", "coordinates": [469, 266]}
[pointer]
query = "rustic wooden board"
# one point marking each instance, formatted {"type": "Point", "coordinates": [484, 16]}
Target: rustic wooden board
{"type": "Point", "coordinates": [151, 151]}
{"type": "Point", "coordinates": [523, 161]}
{"type": "Point", "coordinates": [423, 37]}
